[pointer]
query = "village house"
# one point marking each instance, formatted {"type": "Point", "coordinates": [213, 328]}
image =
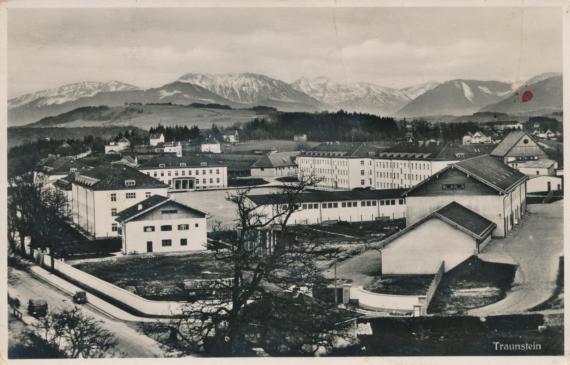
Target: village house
{"type": "Point", "coordinates": [300, 138]}
{"type": "Point", "coordinates": [172, 147]}
{"type": "Point", "coordinates": [476, 138]}
{"type": "Point", "coordinates": [160, 224]}
{"type": "Point", "coordinates": [127, 161]}
{"type": "Point", "coordinates": [450, 235]}
{"type": "Point", "coordinates": [542, 167]}
{"type": "Point", "coordinates": [156, 138]}
{"type": "Point", "coordinates": [482, 184]}
{"type": "Point", "coordinates": [346, 166]}
{"type": "Point", "coordinates": [315, 206]}
{"type": "Point", "coordinates": [518, 147]}
{"type": "Point", "coordinates": [275, 164]}
{"type": "Point", "coordinates": [210, 145]}
{"type": "Point", "coordinates": [192, 172]}
{"type": "Point", "coordinates": [117, 146]}
{"type": "Point", "coordinates": [544, 184]}
{"type": "Point", "coordinates": [99, 194]}
{"type": "Point", "coordinates": [231, 136]}
{"type": "Point", "coordinates": [58, 168]}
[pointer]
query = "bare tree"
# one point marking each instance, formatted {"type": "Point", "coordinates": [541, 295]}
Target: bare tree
{"type": "Point", "coordinates": [75, 334]}
{"type": "Point", "coordinates": [258, 289]}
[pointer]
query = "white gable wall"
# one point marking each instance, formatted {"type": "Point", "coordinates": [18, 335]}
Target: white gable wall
{"type": "Point", "coordinates": [421, 250]}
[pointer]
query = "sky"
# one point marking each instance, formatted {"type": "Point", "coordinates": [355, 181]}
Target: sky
{"type": "Point", "coordinates": [393, 47]}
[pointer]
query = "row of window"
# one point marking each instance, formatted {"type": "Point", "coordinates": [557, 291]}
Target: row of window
{"type": "Point", "coordinates": [168, 243]}
{"type": "Point", "coordinates": [204, 181]}
{"type": "Point", "coordinates": [182, 172]}
{"type": "Point", "coordinates": [168, 227]}
{"type": "Point", "coordinates": [452, 186]}
{"type": "Point", "coordinates": [363, 203]}
{"type": "Point", "coordinates": [129, 195]}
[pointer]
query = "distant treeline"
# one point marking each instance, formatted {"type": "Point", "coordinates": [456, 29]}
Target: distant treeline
{"type": "Point", "coordinates": [176, 133]}
{"type": "Point", "coordinates": [325, 126]}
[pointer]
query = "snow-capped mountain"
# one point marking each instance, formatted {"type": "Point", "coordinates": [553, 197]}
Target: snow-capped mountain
{"type": "Point", "coordinates": [547, 96]}
{"type": "Point", "coordinates": [354, 96]}
{"type": "Point", "coordinates": [414, 91]}
{"type": "Point", "coordinates": [457, 97]}
{"type": "Point", "coordinates": [253, 89]}
{"type": "Point", "coordinates": [69, 92]}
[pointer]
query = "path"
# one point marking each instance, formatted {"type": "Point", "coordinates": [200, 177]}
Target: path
{"type": "Point", "coordinates": [535, 248]}
{"type": "Point", "coordinates": [361, 269]}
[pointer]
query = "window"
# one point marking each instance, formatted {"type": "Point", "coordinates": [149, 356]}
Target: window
{"type": "Point", "coordinates": [393, 202]}
{"type": "Point", "coordinates": [324, 205]}
{"type": "Point", "coordinates": [166, 243]}
{"type": "Point", "coordinates": [382, 202]}
{"type": "Point", "coordinates": [196, 225]}
{"type": "Point", "coordinates": [203, 172]}
{"type": "Point", "coordinates": [361, 172]}
{"type": "Point", "coordinates": [113, 197]}
{"type": "Point", "coordinates": [452, 186]}
{"type": "Point", "coordinates": [343, 205]}
{"type": "Point", "coordinates": [182, 164]}
{"type": "Point", "coordinates": [154, 174]}
{"type": "Point", "coordinates": [368, 203]}
{"type": "Point", "coordinates": [361, 182]}
{"type": "Point", "coordinates": [166, 227]}
{"type": "Point", "coordinates": [335, 205]}
{"type": "Point", "coordinates": [217, 171]}
{"type": "Point", "coordinates": [211, 180]}
{"type": "Point", "coordinates": [162, 173]}
{"type": "Point", "coordinates": [114, 227]}
{"type": "Point", "coordinates": [197, 172]}
{"type": "Point", "coordinates": [183, 227]}
{"type": "Point", "coordinates": [113, 212]}
{"type": "Point", "coordinates": [401, 201]}
{"type": "Point", "coordinates": [218, 180]}
{"type": "Point", "coordinates": [169, 173]}
{"type": "Point", "coordinates": [169, 211]}
{"type": "Point", "coordinates": [130, 195]}
{"type": "Point", "coordinates": [129, 183]}
{"type": "Point", "coordinates": [204, 181]}
{"type": "Point", "coordinates": [304, 206]}
{"type": "Point", "coordinates": [374, 203]}
{"type": "Point", "coordinates": [183, 242]}
{"type": "Point", "coordinates": [147, 194]}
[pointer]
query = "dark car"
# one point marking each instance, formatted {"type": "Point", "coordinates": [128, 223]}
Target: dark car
{"type": "Point", "coordinates": [80, 297]}
{"type": "Point", "coordinates": [37, 307]}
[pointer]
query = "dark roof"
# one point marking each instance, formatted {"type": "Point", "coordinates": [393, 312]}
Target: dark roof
{"type": "Point", "coordinates": [430, 150]}
{"type": "Point", "coordinates": [170, 161]}
{"type": "Point", "coordinates": [149, 205]}
{"type": "Point", "coordinates": [508, 143]}
{"type": "Point", "coordinates": [155, 135]}
{"type": "Point", "coordinates": [341, 149]}
{"type": "Point", "coordinates": [113, 177]}
{"type": "Point", "coordinates": [63, 166]}
{"type": "Point", "coordinates": [276, 159]}
{"type": "Point", "coordinates": [64, 183]}
{"type": "Point", "coordinates": [467, 219]}
{"type": "Point", "coordinates": [491, 172]}
{"type": "Point", "coordinates": [327, 196]}
{"type": "Point", "coordinates": [485, 169]}
{"type": "Point", "coordinates": [457, 216]}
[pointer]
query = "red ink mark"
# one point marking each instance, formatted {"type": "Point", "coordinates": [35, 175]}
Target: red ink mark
{"type": "Point", "coordinates": [527, 96]}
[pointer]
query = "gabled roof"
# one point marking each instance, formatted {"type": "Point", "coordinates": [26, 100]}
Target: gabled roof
{"type": "Point", "coordinates": [156, 135]}
{"type": "Point", "coordinates": [508, 143]}
{"type": "Point", "coordinates": [63, 166]}
{"type": "Point", "coordinates": [542, 163]}
{"type": "Point", "coordinates": [113, 177]}
{"type": "Point", "coordinates": [457, 216]}
{"type": "Point", "coordinates": [485, 169]}
{"type": "Point", "coordinates": [276, 159]}
{"type": "Point", "coordinates": [151, 204]}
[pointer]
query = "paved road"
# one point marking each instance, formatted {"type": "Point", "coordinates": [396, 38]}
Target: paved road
{"type": "Point", "coordinates": [535, 248]}
{"type": "Point", "coordinates": [130, 342]}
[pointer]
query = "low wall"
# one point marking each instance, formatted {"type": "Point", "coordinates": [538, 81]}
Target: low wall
{"type": "Point", "coordinates": [385, 302]}
{"type": "Point", "coordinates": [133, 301]}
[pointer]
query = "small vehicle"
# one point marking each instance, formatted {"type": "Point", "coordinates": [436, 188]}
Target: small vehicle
{"type": "Point", "coordinates": [80, 297]}
{"type": "Point", "coordinates": [37, 307]}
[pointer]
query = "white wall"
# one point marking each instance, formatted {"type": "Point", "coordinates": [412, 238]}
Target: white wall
{"type": "Point", "coordinates": [274, 171]}
{"type": "Point", "coordinates": [135, 238]}
{"type": "Point", "coordinates": [540, 184]}
{"type": "Point", "coordinates": [421, 250]}
{"type": "Point", "coordinates": [210, 177]}
{"type": "Point", "coordinates": [384, 302]}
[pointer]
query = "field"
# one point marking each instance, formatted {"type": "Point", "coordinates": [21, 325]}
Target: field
{"type": "Point", "coordinates": [281, 145]}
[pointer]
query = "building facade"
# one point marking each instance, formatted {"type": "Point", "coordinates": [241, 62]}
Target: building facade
{"type": "Point", "coordinates": [116, 147]}
{"type": "Point", "coordinates": [98, 195]}
{"type": "Point", "coordinates": [275, 164]}
{"type": "Point", "coordinates": [518, 147]}
{"type": "Point", "coordinates": [159, 224]}
{"type": "Point", "coordinates": [187, 173]}
{"type": "Point", "coordinates": [156, 139]}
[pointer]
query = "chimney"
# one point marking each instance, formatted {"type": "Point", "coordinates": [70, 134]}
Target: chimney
{"type": "Point", "coordinates": [139, 207]}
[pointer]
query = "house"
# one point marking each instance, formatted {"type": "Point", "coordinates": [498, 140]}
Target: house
{"type": "Point", "coordinates": [542, 167]}
{"type": "Point", "coordinates": [58, 168]}
{"type": "Point", "coordinates": [544, 184]}
{"type": "Point", "coordinates": [126, 161]}
{"type": "Point", "coordinates": [317, 206]}
{"type": "Point", "coordinates": [502, 126]}
{"type": "Point", "coordinates": [517, 147]}
{"type": "Point", "coordinates": [476, 138]}
{"type": "Point", "coordinates": [156, 139]}
{"type": "Point", "coordinates": [173, 147]}
{"type": "Point", "coordinates": [346, 166]}
{"type": "Point", "coordinates": [160, 224]}
{"type": "Point", "coordinates": [210, 145]}
{"type": "Point", "coordinates": [100, 193]}
{"type": "Point", "coordinates": [482, 184]}
{"type": "Point", "coordinates": [191, 172]}
{"type": "Point", "coordinates": [231, 136]}
{"type": "Point", "coordinates": [275, 164]}
{"type": "Point", "coordinates": [451, 235]}
{"type": "Point", "coordinates": [117, 146]}
{"type": "Point", "coordinates": [546, 135]}
{"type": "Point", "coordinates": [300, 138]}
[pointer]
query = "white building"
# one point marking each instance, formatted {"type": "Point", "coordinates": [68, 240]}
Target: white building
{"type": "Point", "coordinates": [99, 194]}
{"type": "Point", "coordinates": [543, 184]}
{"type": "Point", "coordinates": [231, 136]}
{"type": "Point", "coordinates": [57, 169]}
{"type": "Point", "coordinates": [346, 166]}
{"type": "Point", "coordinates": [451, 235]}
{"type": "Point", "coordinates": [159, 224]}
{"type": "Point", "coordinates": [118, 146]}
{"type": "Point", "coordinates": [476, 138]}
{"type": "Point", "coordinates": [300, 138]}
{"type": "Point", "coordinates": [156, 139]}
{"type": "Point", "coordinates": [187, 173]}
{"type": "Point", "coordinates": [210, 145]}
{"type": "Point", "coordinates": [542, 167]}
{"type": "Point", "coordinates": [173, 147]}
{"type": "Point", "coordinates": [275, 164]}
{"type": "Point", "coordinates": [518, 147]}
{"type": "Point", "coordinates": [315, 207]}
{"type": "Point", "coordinates": [482, 184]}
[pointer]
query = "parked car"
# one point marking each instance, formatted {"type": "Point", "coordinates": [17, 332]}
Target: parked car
{"type": "Point", "coordinates": [37, 307]}
{"type": "Point", "coordinates": [80, 297]}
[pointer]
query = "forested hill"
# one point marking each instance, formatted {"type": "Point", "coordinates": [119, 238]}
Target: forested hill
{"type": "Point", "coordinates": [324, 126]}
